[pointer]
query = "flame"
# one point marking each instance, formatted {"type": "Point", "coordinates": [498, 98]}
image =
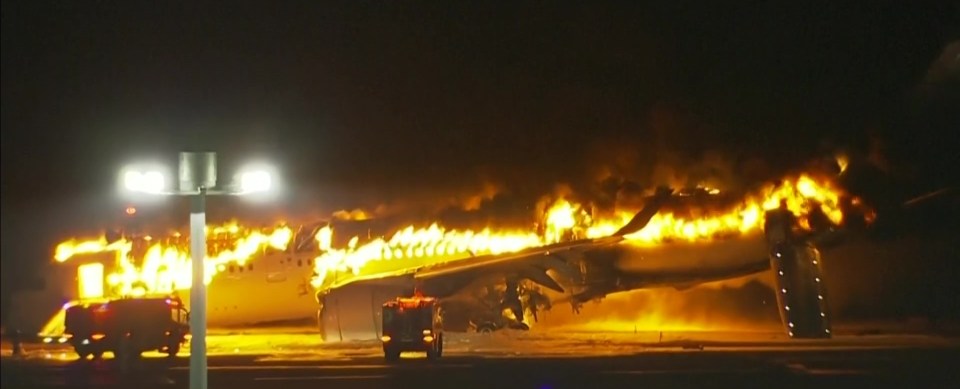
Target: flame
{"type": "Point", "coordinates": [801, 196]}
{"type": "Point", "coordinates": [432, 245]}
{"type": "Point", "coordinates": [842, 161]}
{"type": "Point", "coordinates": [91, 280]}
{"type": "Point", "coordinates": [560, 218]}
{"type": "Point", "coordinates": [166, 265]}
{"type": "Point", "coordinates": [667, 310]}
{"type": "Point", "coordinates": [356, 214]}
{"type": "Point", "coordinates": [416, 247]}
{"type": "Point", "coordinates": [72, 247]}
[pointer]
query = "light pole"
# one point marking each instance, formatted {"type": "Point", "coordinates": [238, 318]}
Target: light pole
{"type": "Point", "coordinates": [197, 180]}
{"type": "Point", "coordinates": [198, 291]}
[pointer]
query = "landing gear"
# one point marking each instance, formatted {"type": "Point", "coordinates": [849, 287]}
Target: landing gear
{"type": "Point", "coordinates": [436, 349]}
{"type": "Point", "coordinates": [486, 328]}
{"type": "Point", "coordinates": [172, 350]}
{"type": "Point", "coordinates": [391, 355]}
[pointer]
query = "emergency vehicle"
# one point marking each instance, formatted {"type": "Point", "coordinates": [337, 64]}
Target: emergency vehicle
{"type": "Point", "coordinates": [412, 324]}
{"type": "Point", "coordinates": [127, 327]}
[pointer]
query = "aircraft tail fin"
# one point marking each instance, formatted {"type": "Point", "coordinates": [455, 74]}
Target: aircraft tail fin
{"type": "Point", "coordinates": [643, 217]}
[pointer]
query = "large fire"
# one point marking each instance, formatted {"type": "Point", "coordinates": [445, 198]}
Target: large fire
{"type": "Point", "coordinates": [163, 265]}
{"type": "Point", "coordinates": [434, 244]}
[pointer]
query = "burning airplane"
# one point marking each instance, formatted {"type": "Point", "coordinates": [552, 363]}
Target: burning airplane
{"type": "Point", "coordinates": [494, 278]}
{"type": "Point", "coordinates": [676, 240]}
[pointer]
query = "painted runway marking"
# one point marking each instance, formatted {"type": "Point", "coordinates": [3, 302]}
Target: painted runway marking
{"type": "Point", "coordinates": [324, 378]}
{"type": "Point", "coordinates": [330, 367]}
{"type": "Point", "coordinates": [803, 369]}
{"type": "Point", "coordinates": [678, 371]}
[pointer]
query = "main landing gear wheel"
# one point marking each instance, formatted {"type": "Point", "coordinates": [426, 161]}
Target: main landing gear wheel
{"type": "Point", "coordinates": [486, 328]}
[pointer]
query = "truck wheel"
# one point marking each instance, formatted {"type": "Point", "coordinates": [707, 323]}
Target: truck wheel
{"type": "Point", "coordinates": [82, 352]}
{"type": "Point", "coordinates": [98, 354]}
{"type": "Point", "coordinates": [172, 350]}
{"type": "Point", "coordinates": [391, 355]}
{"type": "Point", "coordinates": [434, 351]}
{"type": "Point", "coordinates": [440, 346]}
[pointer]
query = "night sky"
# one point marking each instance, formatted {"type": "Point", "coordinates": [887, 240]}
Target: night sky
{"type": "Point", "coordinates": [366, 103]}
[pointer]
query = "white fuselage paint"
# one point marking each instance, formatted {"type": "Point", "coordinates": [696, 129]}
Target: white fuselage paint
{"type": "Point", "coordinates": [273, 286]}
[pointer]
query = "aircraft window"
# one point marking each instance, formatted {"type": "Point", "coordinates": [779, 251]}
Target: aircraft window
{"type": "Point", "coordinates": [250, 267]}
{"type": "Point", "coordinates": [232, 268]}
{"type": "Point", "coordinates": [240, 268]}
{"type": "Point", "coordinates": [310, 262]}
{"type": "Point", "coordinates": [299, 262]}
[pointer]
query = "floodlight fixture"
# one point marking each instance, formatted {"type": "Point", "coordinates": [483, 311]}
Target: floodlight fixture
{"type": "Point", "coordinates": [151, 182]}
{"type": "Point", "coordinates": [255, 181]}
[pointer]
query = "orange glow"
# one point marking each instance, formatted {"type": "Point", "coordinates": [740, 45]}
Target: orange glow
{"type": "Point", "coordinates": [90, 277]}
{"type": "Point", "coordinates": [561, 217]}
{"type": "Point", "coordinates": [356, 214]}
{"type": "Point", "coordinates": [72, 247]}
{"type": "Point", "coordinates": [410, 248]}
{"type": "Point", "coordinates": [703, 308]}
{"type": "Point", "coordinates": [162, 264]}
{"type": "Point", "coordinates": [130, 210]}
{"type": "Point", "coordinates": [842, 162]}
{"type": "Point", "coordinates": [801, 195]}
{"type": "Point", "coordinates": [165, 265]}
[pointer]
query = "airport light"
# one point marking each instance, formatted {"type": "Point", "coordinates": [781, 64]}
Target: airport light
{"type": "Point", "coordinates": [255, 181]}
{"type": "Point", "coordinates": [146, 182]}
{"type": "Point", "coordinates": [197, 180]}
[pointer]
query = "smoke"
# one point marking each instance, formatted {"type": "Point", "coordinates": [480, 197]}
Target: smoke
{"type": "Point", "coordinates": [473, 202]}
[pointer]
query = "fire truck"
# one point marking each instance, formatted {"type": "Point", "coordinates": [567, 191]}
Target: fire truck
{"type": "Point", "coordinates": [412, 324]}
{"type": "Point", "coordinates": [127, 327]}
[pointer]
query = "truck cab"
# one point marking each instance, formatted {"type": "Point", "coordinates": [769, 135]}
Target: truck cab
{"type": "Point", "coordinates": [412, 324]}
{"type": "Point", "coordinates": [127, 327]}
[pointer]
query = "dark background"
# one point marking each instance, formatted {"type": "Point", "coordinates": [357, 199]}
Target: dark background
{"type": "Point", "coordinates": [369, 103]}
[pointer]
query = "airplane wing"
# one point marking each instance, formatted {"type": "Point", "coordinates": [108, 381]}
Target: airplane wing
{"type": "Point", "coordinates": [447, 278]}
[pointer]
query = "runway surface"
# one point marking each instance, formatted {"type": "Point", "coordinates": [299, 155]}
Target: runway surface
{"type": "Point", "coordinates": [256, 359]}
